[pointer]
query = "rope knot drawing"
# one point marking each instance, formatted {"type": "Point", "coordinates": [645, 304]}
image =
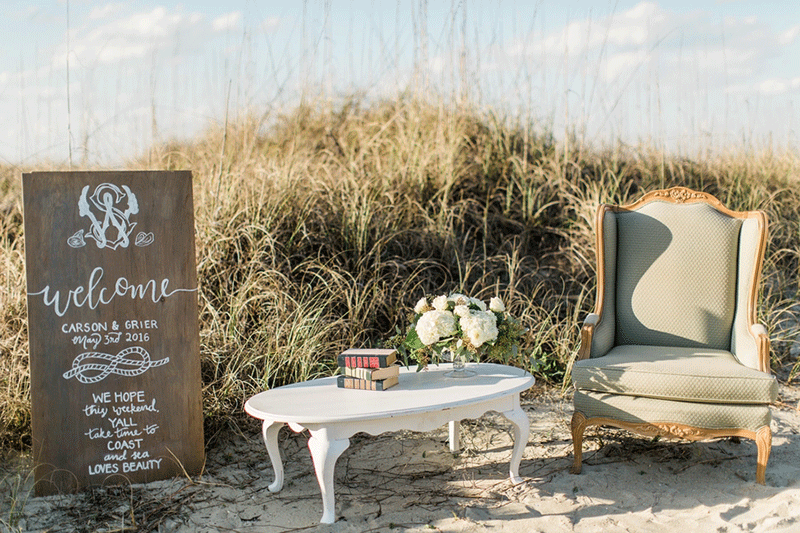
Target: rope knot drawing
{"type": "Point", "coordinates": [93, 367]}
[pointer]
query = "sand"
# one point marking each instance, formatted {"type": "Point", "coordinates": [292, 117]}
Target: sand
{"type": "Point", "coordinates": [410, 482]}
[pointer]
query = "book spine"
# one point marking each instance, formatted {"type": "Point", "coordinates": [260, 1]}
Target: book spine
{"type": "Point", "coordinates": [347, 382]}
{"type": "Point", "coordinates": [366, 361]}
{"type": "Point", "coordinates": [360, 373]}
{"type": "Point", "coordinates": [372, 374]}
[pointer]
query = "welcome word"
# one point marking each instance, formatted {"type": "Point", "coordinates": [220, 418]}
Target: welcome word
{"type": "Point", "coordinates": [92, 295]}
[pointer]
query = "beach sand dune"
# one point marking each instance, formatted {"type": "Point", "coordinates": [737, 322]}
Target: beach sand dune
{"type": "Point", "coordinates": [411, 482]}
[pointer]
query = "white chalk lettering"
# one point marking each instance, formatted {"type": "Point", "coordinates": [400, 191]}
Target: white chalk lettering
{"type": "Point", "coordinates": [129, 396]}
{"type": "Point", "coordinates": [150, 464]}
{"type": "Point", "coordinates": [132, 444]}
{"type": "Point", "coordinates": [92, 409]}
{"type": "Point", "coordinates": [131, 409]}
{"type": "Point", "coordinates": [122, 423]}
{"type": "Point", "coordinates": [98, 433]}
{"type": "Point", "coordinates": [84, 327]}
{"type": "Point", "coordinates": [106, 469]}
{"type": "Point", "coordinates": [92, 295]}
{"type": "Point", "coordinates": [125, 433]}
{"type": "Point", "coordinates": [116, 457]}
{"type": "Point", "coordinates": [103, 397]}
{"type": "Point", "coordinates": [141, 324]}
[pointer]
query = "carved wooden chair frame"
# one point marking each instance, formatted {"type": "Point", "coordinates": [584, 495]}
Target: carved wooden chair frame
{"type": "Point", "coordinates": [762, 437]}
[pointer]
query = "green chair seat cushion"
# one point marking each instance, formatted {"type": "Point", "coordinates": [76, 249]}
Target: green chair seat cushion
{"type": "Point", "coordinates": [680, 374]}
{"type": "Point", "coordinates": [637, 410]}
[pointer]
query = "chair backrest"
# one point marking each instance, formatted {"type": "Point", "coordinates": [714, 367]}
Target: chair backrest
{"type": "Point", "coordinates": [678, 270]}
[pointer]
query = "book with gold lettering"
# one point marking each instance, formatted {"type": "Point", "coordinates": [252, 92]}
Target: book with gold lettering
{"type": "Point", "coordinates": [347, 382]}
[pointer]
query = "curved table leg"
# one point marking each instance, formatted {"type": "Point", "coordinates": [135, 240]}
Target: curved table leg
{"type": "Point", "coordinates": [269, 430]}
{"type": "Point", "coordinates": [522, 426]}
{"type": "Point", "coordinates": [325, 452]}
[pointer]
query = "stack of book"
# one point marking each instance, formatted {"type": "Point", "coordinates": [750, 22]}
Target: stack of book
{"type": "Point", "coordinates": [368, 369]}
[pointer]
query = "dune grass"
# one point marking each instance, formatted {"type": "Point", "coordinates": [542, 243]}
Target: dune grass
{"type": "Point", "coordinates": [319, 229]}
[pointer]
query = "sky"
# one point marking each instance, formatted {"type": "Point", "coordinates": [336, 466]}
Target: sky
{"type": "Point", "coordinates": [98, 82]}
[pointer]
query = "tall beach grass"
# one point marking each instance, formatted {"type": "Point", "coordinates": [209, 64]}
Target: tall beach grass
{"type": "Point", "coordinates": [317, 230]}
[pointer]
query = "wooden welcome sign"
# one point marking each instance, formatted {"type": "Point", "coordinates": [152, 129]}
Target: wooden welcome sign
{"type": "Point", "coordinates": [112, 322]}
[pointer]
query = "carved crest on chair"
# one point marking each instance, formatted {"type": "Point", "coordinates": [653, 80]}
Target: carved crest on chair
{"type": "Point", "coordinates": [674, 430]}
{"type": "Point", "coordinates": [681, 194]}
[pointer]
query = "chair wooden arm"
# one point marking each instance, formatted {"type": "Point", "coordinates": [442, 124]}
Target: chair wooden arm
{"type": "Point", "coordinates": [762, 345]}
{"type": "Point", "coordinates": [592, 319]}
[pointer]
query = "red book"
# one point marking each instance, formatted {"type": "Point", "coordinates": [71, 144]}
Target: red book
{"type": "Point", "coordinates": [367, 357]}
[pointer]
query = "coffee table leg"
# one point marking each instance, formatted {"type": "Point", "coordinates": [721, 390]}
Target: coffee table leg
{"type": "Point", "coordinates": [325, 452]}
{"type": "Point", "coordinates": [269, 431]}
{"type": "Point", "coordinates": [519, 420]}
{"type": "Point", "coordinates": [455, 435]}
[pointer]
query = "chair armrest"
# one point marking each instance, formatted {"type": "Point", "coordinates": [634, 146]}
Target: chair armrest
{"type": "Point", "coordinates": [761, 336]}
{"type": "Point", "coordinates": [751, 347]}
{"type": "Point", "coordinates": [591, 320]}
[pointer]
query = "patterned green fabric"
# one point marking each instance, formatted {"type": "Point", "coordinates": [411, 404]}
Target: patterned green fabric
{"type": "Point", "coordinates": [636, 409]}
{"type": "Point", "coordinates": [743, 344]}
{"type": "Point", "coordinates": [684, 374]}
{"type": "Point", "coordinates": [604, 333]}
{"type": "Point", "coordinates": [676, 275]}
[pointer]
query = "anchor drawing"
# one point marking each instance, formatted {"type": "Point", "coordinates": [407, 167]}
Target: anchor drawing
{"type": "Point", "coordinates": [110, 225]}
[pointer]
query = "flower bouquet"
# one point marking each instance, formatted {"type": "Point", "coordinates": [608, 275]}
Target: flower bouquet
{"type": "Point", "coordinates": [459, 328]}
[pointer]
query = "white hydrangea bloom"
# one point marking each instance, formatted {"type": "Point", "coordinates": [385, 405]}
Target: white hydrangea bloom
{"type": "Point", "coordinates": [440, 303]}
{"type": "Point", "coordinates": [497, 305]}
{"type": "Point", "coordinates": [461, 311]}
{"type": "Point", "coordinates": [479, 303]}
{"type": "Point", "coordinates": [435, 325]}
{"type": "Point", "coordinates": [479, 327]}
{"type": "Point", "coordinates": [422, 306]}
{"type": "Point", "coordinates": [459, 299]}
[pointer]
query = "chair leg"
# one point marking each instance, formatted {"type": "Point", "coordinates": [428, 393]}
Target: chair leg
{"type": "Point", "coordinates": [577, 426]}
{"type": "Point", "coordinates": [764, 444]}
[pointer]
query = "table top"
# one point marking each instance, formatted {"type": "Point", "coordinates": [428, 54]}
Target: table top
{"type": "Point", "coordinates": [321, 401]}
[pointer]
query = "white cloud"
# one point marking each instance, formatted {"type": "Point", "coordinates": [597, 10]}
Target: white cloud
{"type": "Point", "coordinates": [728, 50]}
{"type": "Point", "coordinates": [131, 37]}
{"type": "Point", "coordinates": [775, 86]}
{"type": "Point", "coordinates": [623, 64]}
{"type": "Point", "coordinates": [790, 35]}
{"type": "Point", "coordinates": [226, 22]}
{"type": "Point", "coordinates": [105, 11]}
{"type": "Point", "coordinates": [642, 25]}
{"type": "Point", "coordinates": [270, 24]}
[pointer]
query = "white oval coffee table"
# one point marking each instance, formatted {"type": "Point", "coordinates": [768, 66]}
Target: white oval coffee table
{"type": "Point", "coordinates": [422, 401]}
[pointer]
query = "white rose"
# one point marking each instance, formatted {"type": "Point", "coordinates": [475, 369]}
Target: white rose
{"type": "Point", "coordinates": [461, 311]}
{"type": "Point", "coordinates": [479, 327]}
{"type": "Point", "coordinates": [435, 325]}
{"type": "Point", "coordinates": [479, 303]}
{"type": "Point", "coordinates": [497, 305]}
{"type": "Point", "coordinates": [422, 306]}
{"type": "Point", "coordinates": [440, 303]}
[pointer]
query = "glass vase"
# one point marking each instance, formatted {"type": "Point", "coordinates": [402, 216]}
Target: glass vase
{"type": "Point", "coordinates": [460, 369]}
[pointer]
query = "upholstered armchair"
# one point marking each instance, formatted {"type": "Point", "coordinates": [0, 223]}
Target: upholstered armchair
{"type": "Point", "coordinates": [673, 348]}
